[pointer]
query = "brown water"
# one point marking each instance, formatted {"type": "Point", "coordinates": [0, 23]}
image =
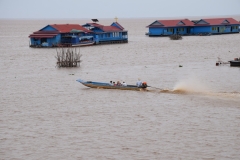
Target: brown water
{"type": "Point", "coordinates": [192, 113]}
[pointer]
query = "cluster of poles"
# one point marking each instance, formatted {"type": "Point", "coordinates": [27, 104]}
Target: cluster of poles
{"type": "Point", "coordinates": [68, 57]}
{"type": "Point", "coordinates": [175, 37]}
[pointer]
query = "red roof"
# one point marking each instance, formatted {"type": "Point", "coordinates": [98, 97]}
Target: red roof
{"type": "Point", "coordinates": [219, 21]}
{"type": "Point", "coordinates": [172, 23]}
{"type": "Point", "coordinates": [44, 34]}
{"type": "Point", "coordinates": [110, 28]}
{"type": "Point", "coordinates": [64, 28]}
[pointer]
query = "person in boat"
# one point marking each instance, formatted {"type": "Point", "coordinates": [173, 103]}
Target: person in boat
{"type": "Point", "coordinates": [124, 84]}
{"type": "Point", "coordinates": [114, 84]}
{"type": "Point", "coordinates": [118, 83]}
{"type": "Point", "coordinates": [111, 83]}
{"type": "Point", "coordinates": [139, 83]}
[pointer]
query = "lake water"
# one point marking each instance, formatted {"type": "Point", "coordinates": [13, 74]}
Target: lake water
{"type": "Point", "coordinates": [190, 112]}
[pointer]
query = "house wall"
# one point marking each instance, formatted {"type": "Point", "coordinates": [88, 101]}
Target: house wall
{"type": "Point", "coordinates": [54, 41]}
{"type": "Point", "coordinates": [201, 29]}
{"type": "Point", "coordinates": [235, 28]}
{"type": "Point", "coordinates": [35, 41]}
{"type": "Point", "coordinates": [112, 36]}
{"type": "Point", "coordinates": [51, 41]}
{"type": "Point", "coordinates": [155, 31]}
{"type": "Point", "coordinates": [224, 29]}
{"type": "Point", "coordinates": [181, 30]}
{"type": "Point", "coordinates": [166, 31]}
{"type": "Point", "coordinates": [227, 29]}
{"type": "Point", "coordinates": [96, 30]}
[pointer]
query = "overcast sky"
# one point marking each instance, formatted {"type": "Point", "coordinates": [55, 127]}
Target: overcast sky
{"type": "Point", "coordinates": [48, 9]}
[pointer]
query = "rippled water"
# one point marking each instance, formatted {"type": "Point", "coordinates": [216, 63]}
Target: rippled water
{"type": "Point", "coordinates": [190, 112]}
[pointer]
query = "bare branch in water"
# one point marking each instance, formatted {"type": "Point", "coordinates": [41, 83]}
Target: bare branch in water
{"type": "Point", "coordinates": [68, 57]}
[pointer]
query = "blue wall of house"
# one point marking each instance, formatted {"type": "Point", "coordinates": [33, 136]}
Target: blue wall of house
{"type": "Point", "coordinates": [235, 28]}
{"type": "Point", "coordinates": [112, 36]}
{"type": "Point", "coordinates": [201, 29]}
{"type": "Point", "coordinates": [194, 30]}
{"type": "Point", "coordinates": [155, 31]}
{"type": "Point", "coordinates": [227, 29]}
{"type": "Point", "coordinates": [35, 41]}
{"type": "Point", "coordinates": [168, 31]}
{"type": "Point", "coordinates": [51, 41]}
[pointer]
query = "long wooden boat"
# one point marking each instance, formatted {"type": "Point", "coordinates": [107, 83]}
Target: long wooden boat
{"type": "Point", "coordinates": [83, 44]}
{"type": "Point", "coordinates": [235, 62]}
{"type": "Point", "coordinates": [104, 85]}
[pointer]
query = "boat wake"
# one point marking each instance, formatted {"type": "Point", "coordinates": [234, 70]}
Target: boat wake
{"type": "Point", "coordinates": [194, 87]}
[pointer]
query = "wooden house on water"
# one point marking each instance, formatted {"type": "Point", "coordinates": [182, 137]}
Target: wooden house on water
{"type": "Point", "coordinates": [195, 27]}
{"type": "Point", "coordinates": [170, 27]}
{"type": "Point", "coordinates": [216, 26]}
{"type": "Point", "coordinates": [71, 35]}
{"type": "Point", "coordinates": [57, 35]}
{"type": "Point", "coordinates": [114, 33]}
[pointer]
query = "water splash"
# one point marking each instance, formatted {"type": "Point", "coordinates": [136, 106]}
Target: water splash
{"type": "Point", "coordinates": [191, 85]}
{"type": "Point", "coordinates": [198, 87]}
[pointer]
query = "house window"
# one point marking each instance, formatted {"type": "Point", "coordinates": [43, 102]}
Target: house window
{"type": "Point", "coordinates": [170, 30]}
{"type": "Point", "coordinates": [214, 28]}
{"type": "Point", "coordinates": [180, 29]}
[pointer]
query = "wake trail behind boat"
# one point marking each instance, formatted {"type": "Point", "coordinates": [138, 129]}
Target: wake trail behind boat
{"type": "Point", "coordinates": [195, 87]}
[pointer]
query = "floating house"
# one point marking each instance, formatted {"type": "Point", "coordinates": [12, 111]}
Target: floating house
{"type": "Point", "coordinates": [195, 27]}
{"type": "Point", "coordinates": [114, 33]}
{"type": "Point", "coordinates": [62, 35]}
{"type": "Point", "coordinates": [57, 35]}
{"type": "Point", "coordinates": [216, 26]}
{"type": "Point", "coordinates": [170, 27]}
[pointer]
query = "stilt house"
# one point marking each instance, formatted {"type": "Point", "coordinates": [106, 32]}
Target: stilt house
{"type": "Point", "coordinates": [108, 34]}
{"type": "Point", "coordinates": [58, 35]}
{"type": "Point", "coordinates": [216, 26]}
{"type": "Point", "coordinates": [169, 27]}
{"type": "Point", "coordinates": [195, 27]}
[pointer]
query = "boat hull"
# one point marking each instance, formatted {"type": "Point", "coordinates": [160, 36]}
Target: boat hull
{"type": "Point", "coordinates": [101, 85]}
{"type": "Point", "coordinates": [83, 44]}
{"type": "Point", "coordinates": [234, 63]}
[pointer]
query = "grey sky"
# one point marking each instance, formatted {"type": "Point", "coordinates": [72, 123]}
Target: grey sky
{"type": "Point", "coordinates": [44, 9]}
